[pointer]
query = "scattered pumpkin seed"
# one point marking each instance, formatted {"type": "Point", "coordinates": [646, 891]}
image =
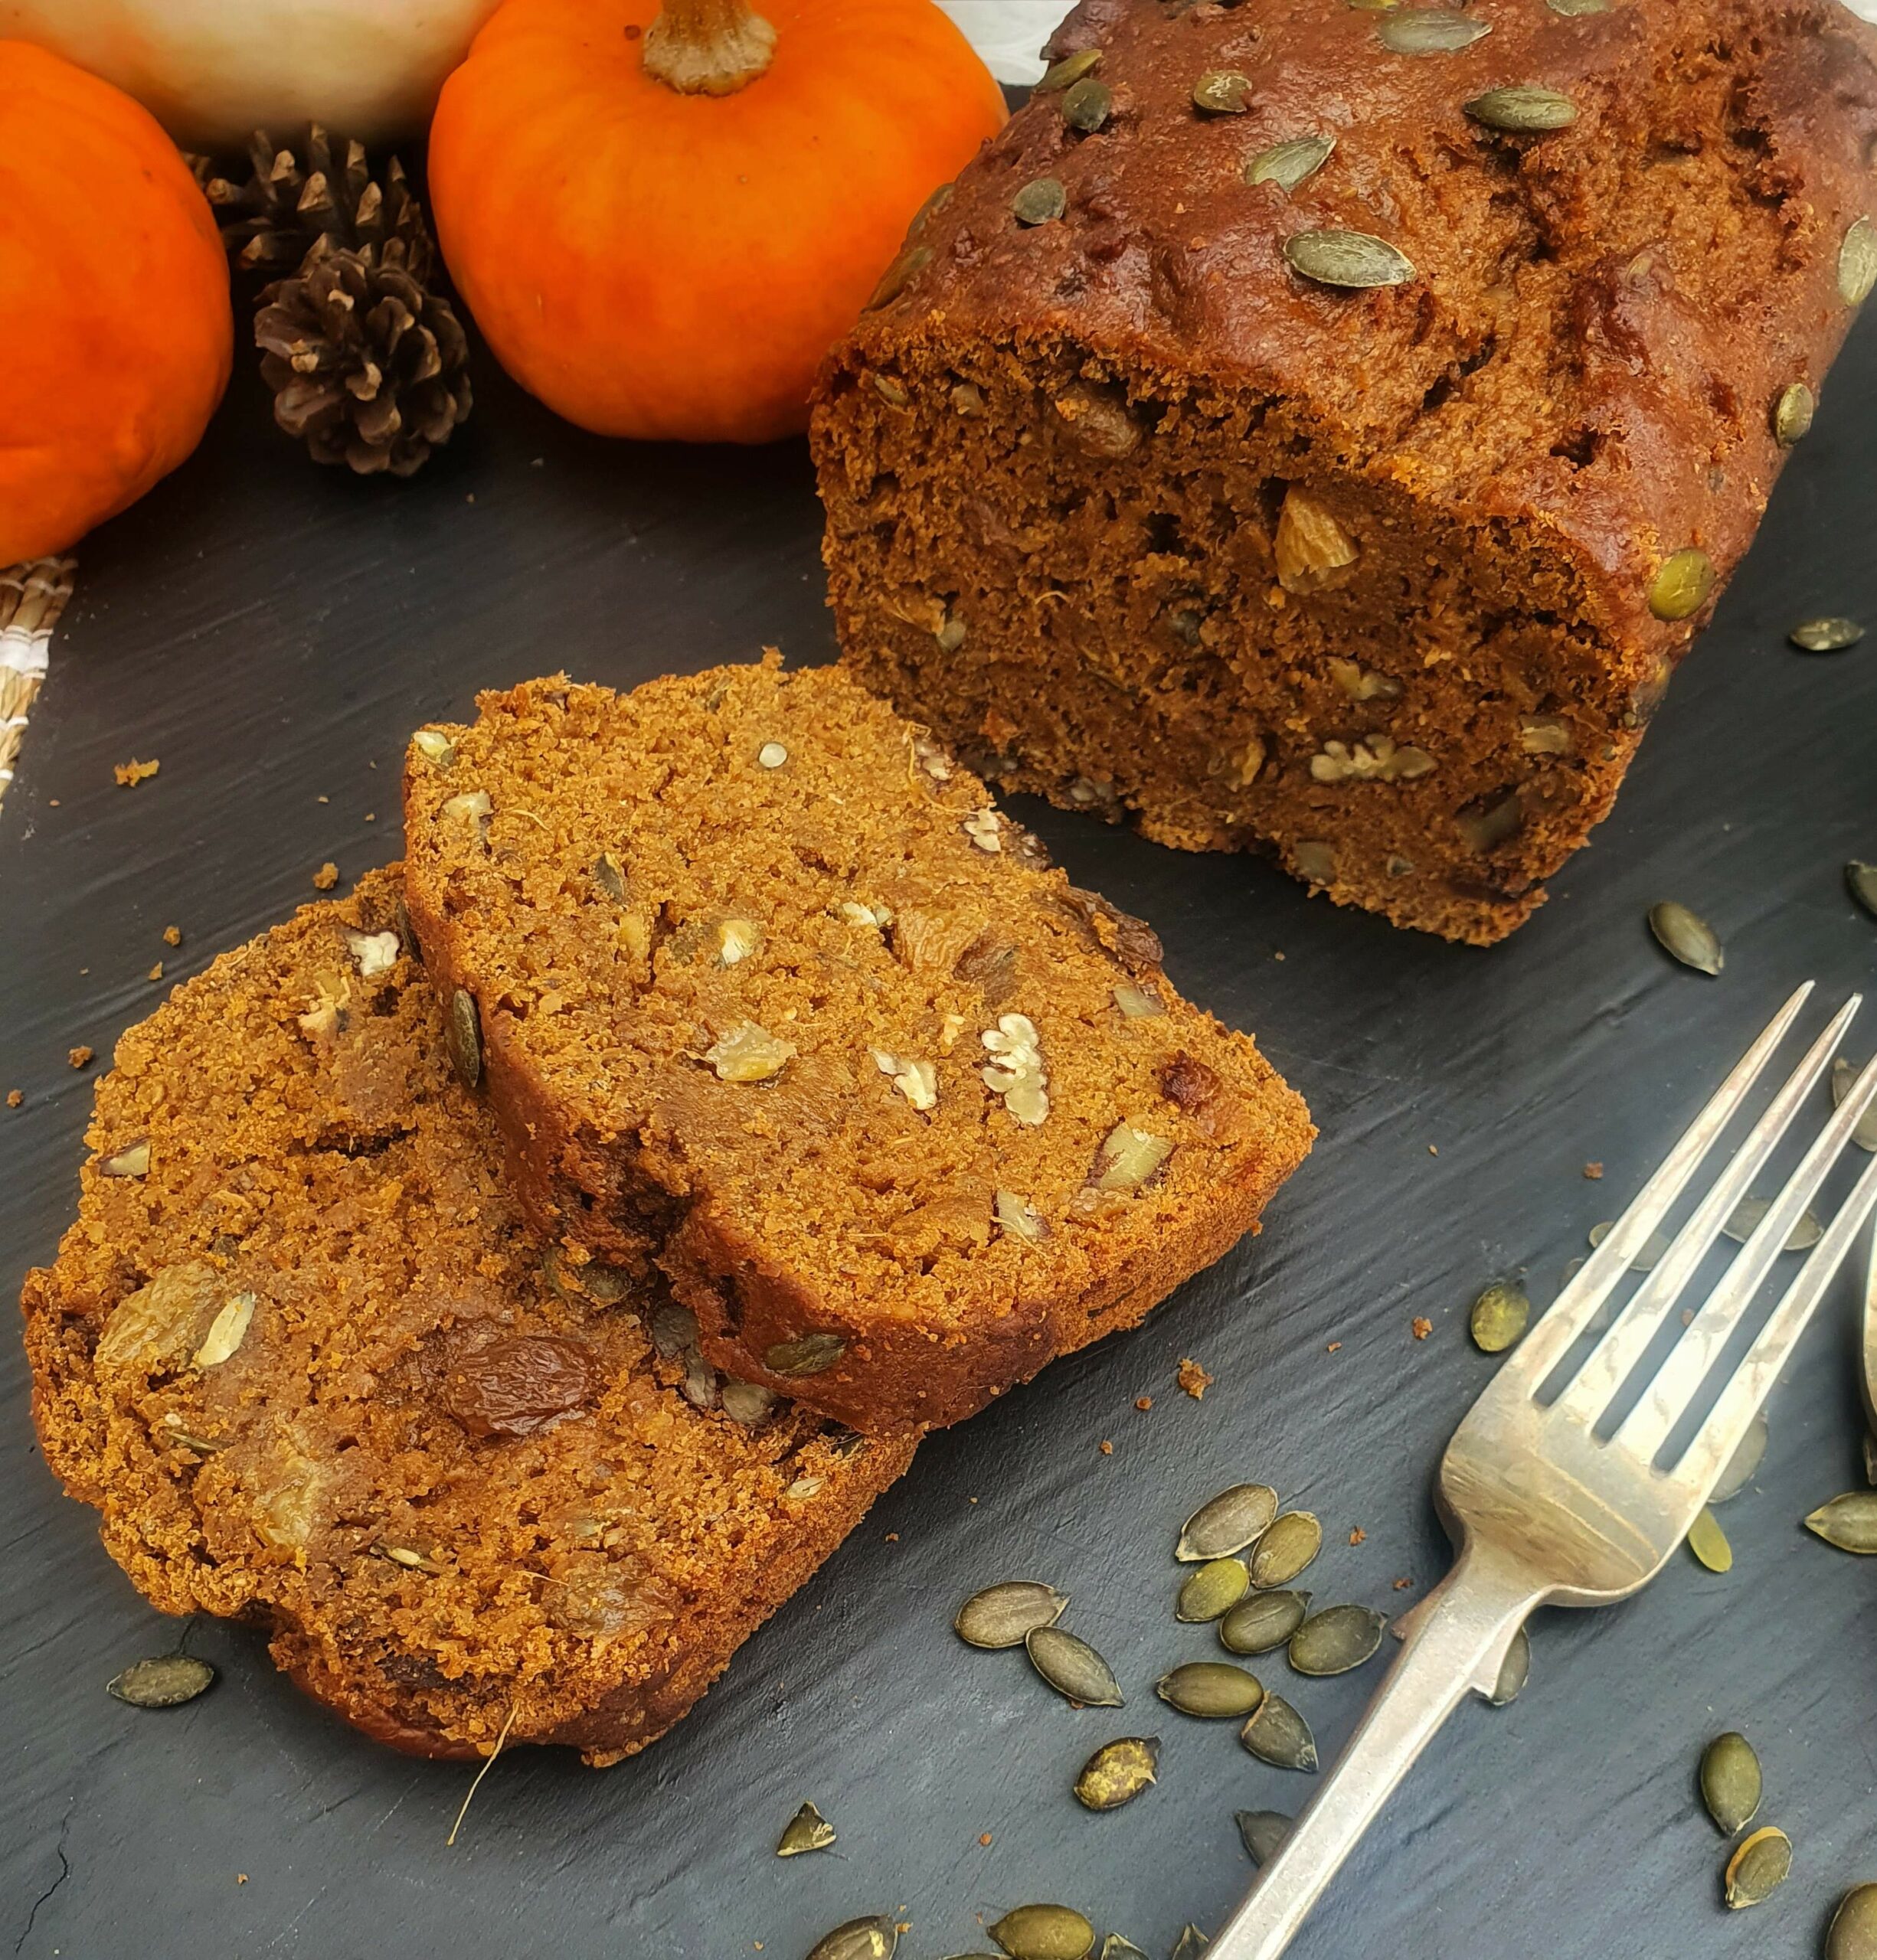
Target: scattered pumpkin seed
{"type": "Point", "coordinates": [1278, 1735]}
{"type": "Point", "coordinates": [1686, 937]}
{"type": "Point", "coordinates": [1832, 635]}
{"type": "Point", "coordinates": [1117, 1947]}
{"type": "Point", "coordinates": [805, 1354]}
{"type": "Point", "coordinates": [1793, 413]}
{"type": "Point", "coordinates": [133, 1160]}
{"type": "Point", "coordinates": [1758, 1867]}
{"type": "Point", "coordinates": [463, 1038]}
{"type": "Point", "coordinates": [1071, 68]}
{"type": "Point", "coordinates": [1350, 259]}
{"type": "Point", "coordinates": [1862, 880]}
{"type": "Point", "coordinates": [1044, 1932]}
{"type": "Point", "coordinates": [1514, 1671]}
{"type": "Point", "coordinates": [1220, 92]}
{"type": "Point", "coordinates": [1191, 1943]}
{"type": "Point", "coordinates": [1072, 1667]}
{"type": "Point", "coordinates": [1213, 1589]}
{"type": "Point", "coordinates": [1708, 1542]}
{"type": "Point", "coordinates": [1431, 30]}
{"type": "Point", "coordinates": [1226, 1524]}
{"type": "Point", "coordinates": [1499, 1317]}
{"type": "Point", "coordinates": [1002, 1615]}
{"type": "Point", "coordinates": [1649, 1254]}
{"type": "Point", "coordinates": [808, 1831]}
{"type": "Point", "coordinates": [1117, 1772]}
{"type": "Point", "coordinates": [1336, 1640]}
{"type": "Point", "coordinates": [1289, 1545]}
{"type": "Point", "coordinates": [1849, 1522]}
{"type": "Point", "coordinates": [1087, 104]}
{"type": "Point", "coordinates": [1571, 7]}
{"type": "Point", "coordinates": [1287, 165]}
{"type": "Point", "coordinates": [166, 1681]}
{"type": "Point", "coordinates": [1265, 1621]}
{"type": "Point", "coordinates": [873, 1938]}
{"type": "Point", "coordinates": [1041, 201]}
{"type": "Point", "coordinates": [1264, 1832]}
{"type": "Point", "coordinates": [1744, 1219]}
{"type": "Point", "coordinates": [1742, 1465]}
{"type": "Point", "coordinates": [1211, 1689]}
{"type": "Point", "coordinates": [1523, 109]}
{"type": "Point", "coordinates": [610, 875]}
{"type": "Point", "coordinates": [1681, 587]}
{"type": "Point", "coordinates": [1852, 1934]}
{"type": "Point", "coordinates": [1857, 262]}
{"type": "Point", "coordinates": [1731, 1781]}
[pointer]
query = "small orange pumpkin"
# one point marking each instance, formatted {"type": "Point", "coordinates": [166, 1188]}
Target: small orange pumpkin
{"type": "Point", "coordinates": [117, 332]}
{"type": "Point", "coordinates": [662, 220]}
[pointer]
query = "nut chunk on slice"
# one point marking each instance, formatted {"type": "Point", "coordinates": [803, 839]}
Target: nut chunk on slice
{"type": "Point", "coordinates": [766, 993]}
{"type": "Point", "coordinates": [303, 1352]}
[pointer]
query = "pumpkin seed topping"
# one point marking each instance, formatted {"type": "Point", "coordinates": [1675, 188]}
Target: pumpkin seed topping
{"type": "Point", "coordinates": [1708, 1542]}
{"type": "Point", "coordinates": [1681, 586]}
{"type": "Point", "coordinates": [610, 875]}
{"type": "Point", "coordinates": [1758, 1867]}
{"type": "Point", "coordinates": [165, 1681]}
{"type": "Point", "coordinates": [1862, 880]}
{"type": "Point", "coordinates": [1263, 1831]}
{"type": "Point", "coordinates": [1742, 1465]}
{"type": "Point", "coordinates": [133, 1160]}
{"type": "Point", "coordinates": [1071, 68]}
{"type": "Point", "coordinates": [1072, 1667]}
{"type": "Point", "coordinates": [1221, 91]}
{"type": "Point", "coordinates": [1044, 1932]}
{"type": "Point", "coordinates": [1213, 1589]}
{"type": "Point", "coordinates": [807, 1831]}
{"type": "Point", "coordinates": [1211, 1689]}
{"type": "Point", "coordinates": [1289, 1545]}
{"type": "Point", "coordinates": [1087, 104]}
{"type": "Point", "coordinates": [1852, 1934]}
{"type": "Point", "coordinates": [897, 277]}
{"type": "Point", "coordinates": [434, 746]}
{"type": "Point", "coordinates": [873, 1938]}
{"type": "Point", "coordinates": [1793, 413]}
{"type": "Point", "coordinates": [1857, 262]}
{"type": "Point", "coordinates": [1001, 1615]}
{"type": "Point", "coordinates": [1499, 1317]}
{"type": "Point", "coordinates": [1431, 30]}
{"type": "Point", "coordinates": [1523, 109]}
{"type": "Point", "coordinates": [1825, 635]}
{"type": "Point", "coordinates": [1686, 937]}
{"type": "Point", "coordinates": [1117, 1772]}
{"type": "Point", "coordinates": [1336, 1640]}
{"type": "Point", "coordinates": [1041, 201]}
{"type": "Point", "coordinates": [805, 1354]}
{"type": "Point", "coordinates": [1570, 8]}
{"type": "Point", "coordinates": [1226, 1524]}
{"type": "Point", "coordinates": [1514, 1671]}
{"type": "Point", "coordinates": [1744, 1221]}
{"type": "Point", "coordinates": [1352, 259]}
{"type": "Point", "coordinates": [1849, 1522]}
{"type": "Point", "coordinates": [1730, 1781]}
{"type": "Point", "coordinates": [1278, 1735]}
{"type": "Point", "coordinates": [1288, 164]}
{"type": "Point", "coordinates": [1265, 1621]}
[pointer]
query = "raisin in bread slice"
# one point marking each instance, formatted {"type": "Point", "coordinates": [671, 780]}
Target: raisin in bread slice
{"type": "Point", "coordinates": [301, 1353]}
{"type": "Point", "coordinates": [765, 992]}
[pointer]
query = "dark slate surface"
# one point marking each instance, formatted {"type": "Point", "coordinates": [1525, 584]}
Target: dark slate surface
{"type": "Point", "coordinates": [272, 631]}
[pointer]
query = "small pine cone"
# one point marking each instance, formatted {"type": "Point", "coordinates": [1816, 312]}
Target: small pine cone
{"type": "Point", "coordinates": [367, 368]}
{"type": "Point", "coordinates": [286, 206]}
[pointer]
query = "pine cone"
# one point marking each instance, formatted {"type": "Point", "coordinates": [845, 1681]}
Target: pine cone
{"type": "Point", "coordinates": [287, 207]}
{"type": "Point", "coordinates": [367, 368]}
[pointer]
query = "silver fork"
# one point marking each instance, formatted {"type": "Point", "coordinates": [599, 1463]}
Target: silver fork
{"type": "Point", "coordinates": [1544, 1510]}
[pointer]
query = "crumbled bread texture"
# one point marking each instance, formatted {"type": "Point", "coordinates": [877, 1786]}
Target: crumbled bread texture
{"type": "Point", "coordinates": [769, 992]}
{"type": "Point", "coordinates": [1138, 518]}
{"type": "Point", "coordinates": [301, 1353]}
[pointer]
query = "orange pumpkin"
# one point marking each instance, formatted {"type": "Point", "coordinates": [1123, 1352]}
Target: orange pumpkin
{"type": "Point", "coordinates": [661, 221]}
{"type": "Point", "coordinates": [117, 333]}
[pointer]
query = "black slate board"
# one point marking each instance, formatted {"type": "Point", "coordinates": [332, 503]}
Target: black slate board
{"type": "Point", "coordinates": [272, 631]}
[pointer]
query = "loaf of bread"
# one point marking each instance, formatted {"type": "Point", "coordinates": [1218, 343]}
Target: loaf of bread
{"type": "Point", "coordinates": [303, 1355]}
{"type": "Point", "coordinates": [1321, 428]}
{"type": "Point", "coordinates": [768, 996]}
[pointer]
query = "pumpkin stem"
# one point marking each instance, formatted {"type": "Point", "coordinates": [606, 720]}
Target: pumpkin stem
{"type": "Point", "coordinates": [708, 47]}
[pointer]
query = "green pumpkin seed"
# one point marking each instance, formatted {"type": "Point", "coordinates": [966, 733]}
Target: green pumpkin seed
{"type": "Point", "coordinates": [1226, 1524]}
{"type": "Point", "coordinates": [1287, 165]}
{"type": "Point", "coordinates": [1211, 1689]}
{"type": "Point", "coordinates": [1514, 1671]}
{"type": "Point", "coordinates": [1793, 413]}
{"type": "Point", "coordinates": [1857, 262]}
{"type": "Point", "coordinates": [1431, 30]}
{"type": "Point", "coordinates": [1191, 1943]}
{"type": "Point", "coordinates": [1278, 1735]}
{"type": "Point", "coordinates": [1730, 1781]}
{"type": "Point", "coordinates": [1264, 1621]}
{"type": "Point", "coordinates": [1289, 1545]}
{"type": "Point", "coordinates": [1849, 1522]}
{"type": "Point", "coordinates": [1852, 1934]}
{"type": "Point", "coordinates": [1044, 1932]}
{"type": "Point", "coordinates": [1862, 880]}
{"type": "Point", "coordinates": [1117, 1772]}
{"type": "Point", "coordinates": [1569, 9]}
{"type": "Point", "coordinates": [1708, 1542]}
{"type": "Point", "coordinates": [1214, 1589]}
{"type": "Point", "coordinates": [1072, 1667]}
{"type": "Point", "coordinates": [807, 1831]}
{"type": "Point", "coordinates": [1263, 1831]}
{"type": "Point", "coordinates": [1349, 259]}
{"type": "Point", "coordinates": [897, 276]}
{"type": "Point", "coordinates": [1220, 92]}
{"type": "Point", "coordinates": [610, 875]}
{"type": "Point", "coordinates": [1758, 1868]}
{"type": "Point", "coordinates": [1681, 586]}
{"type": "Point", "coordinates": [1742, 1465]}
{"type": "Point", "coordinates": [1744, 1221]}
{"type": "Point", "coordinates": [1649, 1255]}
{"type": "Point", "coordinates": [1115, 1946]}
{"type": "Point", "coordinates": [462, 1035]}
{"type": "Point", "coordinates": [1071, 68]}
{"type": "Point", "coordinates": [1825, 635]}
{"type": "Point", "coordinates": [1002, 1614]}
{"type": "Point", "coordinates": [873, 1938]}
{"type": "Point", "coordinates": [805, 1354]}
{"type": "Point", "coordinates": [1499, 1317]}
{"type": "Point", "coordinates": [167, 1680]}
{"type": "Point", "coordinates": [1087, 104]}
{"type": "Point", "coordinates": [1336, 1640]}
{"type": "Point", "coordinates": [1686, 937]}
{"type": "Point", "coordinates": [1041, 201]}
{"type": "Point", "coordinates": [1522, 109]}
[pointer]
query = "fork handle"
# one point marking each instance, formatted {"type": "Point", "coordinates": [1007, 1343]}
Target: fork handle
{"type": "Point", "coordinates": [1457, 1641]}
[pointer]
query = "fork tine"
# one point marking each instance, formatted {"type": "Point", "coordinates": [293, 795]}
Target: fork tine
{"type": "Point", "coordinates": [1647, 1427]}
{"type": "Point", "coordinates": [1533, 1361]}
{"type": "Point", "coordinates": [1587, 1395]}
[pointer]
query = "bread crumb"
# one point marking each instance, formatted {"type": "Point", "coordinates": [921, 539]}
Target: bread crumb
{"type": "Point", "coordinates": [1106, 1447]}
{"type": "Point", "coordinates": [984, 1837]}
{"type": "Point", "coordinates": [1402, 1585]}
{"type": "Point", "coordinates": [15, 1097]}
{"type": "Point", "coordinates": [240, 1878]}
{"type": "Point", "coordinates": [1593, 1171]}
{"type": "Point", "coordinates": [130, 774]}
{"type": "Point", "coordinates": [172, 936]}
{"type": "Point", "coordinates": [80, 1057]}
{"type": "Point", "coordinates": [1334, 1347]}
{"type": "Point", "coordinates": [326, 877]}
{"type": "Point", "coordinates": [1434, 1150]}
{"type": "Point", "coordinates": [1422, 1328]}
{"type": "Point", "coordinates": [892, 1537]}
{"type": "Point", "coordinates": [156, 972]}
{"type": "Point", "coordinates": [1193, 1378]}
{"type": "Point", "coordinates": [323, 799]}
{"type": "Point", "coordinates": [1143, 1403]}
{"type": "Point", "coordinates": [1357, 1534]}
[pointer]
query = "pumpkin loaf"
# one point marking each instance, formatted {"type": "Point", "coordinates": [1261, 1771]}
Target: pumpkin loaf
{"type": "Point", "coordinates": [1321, 429]}
{"type": "Point", "coordinates": [302, 1353]}
{"type": "Point", "coordinates": [767, 994]}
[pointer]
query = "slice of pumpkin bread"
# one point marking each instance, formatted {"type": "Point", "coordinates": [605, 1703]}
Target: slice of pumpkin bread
{"type": "Point", "coordinates": [765, 992]}
{"type": "Point", "coordinates": [303, 1355]}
